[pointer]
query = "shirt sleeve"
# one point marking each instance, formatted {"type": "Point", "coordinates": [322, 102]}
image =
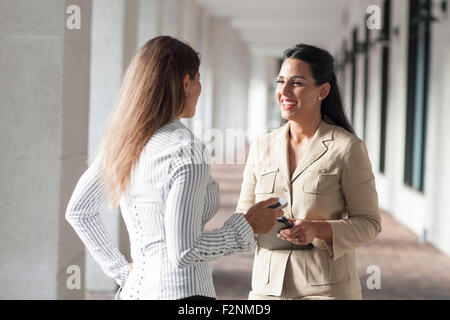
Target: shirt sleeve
{"type": "Point", "coordinates": [187, 244]}
{"type": "Point", "coordinates": [211, 200]}
{"type": "Point", "coordinates": [358, 188]}
{"type": "Point", "coordinates": [83, 215]}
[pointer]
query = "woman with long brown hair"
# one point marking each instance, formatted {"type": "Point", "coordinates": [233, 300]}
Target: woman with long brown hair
{"type": "Point", "coordinates": [151, 165]}
{"type": "Point", "coordinates": [322, 168]}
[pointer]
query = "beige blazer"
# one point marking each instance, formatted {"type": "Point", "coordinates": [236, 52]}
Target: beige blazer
{"type": "Point", "coordinates": [333, 182]}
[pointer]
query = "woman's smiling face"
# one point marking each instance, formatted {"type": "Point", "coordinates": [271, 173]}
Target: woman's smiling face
{"type": "Point", "coordinates": [296, 92]}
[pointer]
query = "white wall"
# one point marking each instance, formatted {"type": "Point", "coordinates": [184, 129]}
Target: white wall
{"type": "Point", "coordinates": [231, 60]}
{"type": "Point", "coordinates": [203, 118]}
{"type": "Point", "coordinates": [149, 20]}
{"type": "Point", "coordinates": [261, 116]}
{"type": "Point", "coordinates": [437, 181]}
{"type": "Point", "coordinates": [44, 104]}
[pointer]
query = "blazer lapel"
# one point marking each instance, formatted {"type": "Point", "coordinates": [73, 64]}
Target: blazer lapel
{"type": "Point", "coordinates": [283, 156]}
{"type": "Point", "coordinates": [316, 149]}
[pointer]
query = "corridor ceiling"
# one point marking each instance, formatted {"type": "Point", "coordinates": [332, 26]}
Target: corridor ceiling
{"type": "Point", "coordinates": [270, 26]}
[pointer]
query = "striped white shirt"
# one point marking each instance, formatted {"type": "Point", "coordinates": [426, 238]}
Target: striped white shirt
{"type": "Point", "coordinates": [170, 198]}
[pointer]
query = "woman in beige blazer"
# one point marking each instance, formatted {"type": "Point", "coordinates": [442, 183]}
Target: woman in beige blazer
{"type": "Point", "coordinates": [316, 162]}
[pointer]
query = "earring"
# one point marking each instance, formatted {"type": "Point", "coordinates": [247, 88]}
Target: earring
{"type": "Point", "coordinates": [320, 98]}
{"type": "Point", "coordinates": [186, 96]}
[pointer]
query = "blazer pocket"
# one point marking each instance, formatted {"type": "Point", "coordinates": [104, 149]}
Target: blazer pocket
{"type": "Point", "coordinates": [322, 270]}
{"type": "Point", "coordinates": [320, 182]}
{"type": "Point", "coordinates": [261, 266]}
{"type": "Point", "coordinates": [266, 181]}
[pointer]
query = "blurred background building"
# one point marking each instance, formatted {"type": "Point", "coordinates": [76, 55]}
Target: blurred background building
{"type": "Point", "coordinates": [59, 78]}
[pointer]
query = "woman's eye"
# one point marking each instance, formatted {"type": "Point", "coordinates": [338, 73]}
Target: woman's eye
{"type": "Point", "coordinates": [295, 83]}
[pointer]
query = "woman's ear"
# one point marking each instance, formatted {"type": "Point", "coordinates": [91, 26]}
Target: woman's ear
{"type": "Point", "coordinates": [186, 84]}
{"type": "Point", "coordinates": [324, 90]}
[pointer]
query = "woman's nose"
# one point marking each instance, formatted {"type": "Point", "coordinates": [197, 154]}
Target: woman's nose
{"type": "Point", "coordinates": [285, 88]}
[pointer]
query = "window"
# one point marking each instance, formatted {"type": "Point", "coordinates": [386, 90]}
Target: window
{"type": "Point", "coordinates": [417, 92]}
{"type": "Point", "coordinates": [353, 62]}
{"type": "Point", "coordinates": [365, 51]}
{"type": "Point", "coordinates": [385, 38]}
{"type": "Point", "coordinates": [340, 66]}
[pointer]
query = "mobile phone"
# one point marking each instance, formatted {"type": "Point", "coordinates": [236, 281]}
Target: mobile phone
{"type": "Point", "coordinates": [280, 204]}
{"type": "Point", "coordinates": [272, 242]}
{"type": "Point", "coordinates": [288, 225]}
{"type": "Point", "coordinates": [285, 221]}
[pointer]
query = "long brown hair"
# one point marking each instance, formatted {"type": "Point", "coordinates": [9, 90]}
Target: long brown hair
{"type": "Point", "coordinates": [151, 95]}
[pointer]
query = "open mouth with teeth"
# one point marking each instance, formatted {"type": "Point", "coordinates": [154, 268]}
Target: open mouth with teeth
{"type": "Point", "coordinates": [287, 104]}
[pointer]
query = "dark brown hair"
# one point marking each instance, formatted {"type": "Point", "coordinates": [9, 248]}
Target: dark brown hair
{"type": "Point", "coordinates": [321, 63]}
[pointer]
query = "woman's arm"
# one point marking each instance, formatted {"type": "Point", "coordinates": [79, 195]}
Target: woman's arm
{"type": "Point", "coordinates": [186, 243]}
{"type": "Point", "coordinates": [358, 188]}
{"type": "Point", "coordinates": [84, 216]}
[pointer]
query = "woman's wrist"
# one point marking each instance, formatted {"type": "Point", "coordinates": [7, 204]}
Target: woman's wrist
{"type": "Point", "coordinates": [249, 218]}
{"type": "Point", "coordinates": [323, 231]}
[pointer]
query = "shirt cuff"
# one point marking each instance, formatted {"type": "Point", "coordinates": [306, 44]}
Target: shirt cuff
{"type": "Point", "coordinates": [334, 249]}
{"type": "Point", "coordinates": [244, 231]}
{"type": "Point", "coordinates": [123, 275]}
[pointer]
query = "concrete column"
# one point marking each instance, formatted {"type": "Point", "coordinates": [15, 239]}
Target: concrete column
{"type": "Point", "coordinates": [172, 15]}
{"type": "Point", "coordinates": [172, 18]}
{"type": "Point", "coordinates": [437, 177]}
{"type": "Point", "coordinates": [114, 37]}
{"type": "Point", "coordinates": [189, 24]}
{"type": "Point", "coordinates": [203, 119]}
{"type": "Point", "coordinates": [191, 15]}
{"type": "Point", "coordinates": [149, 20]}
{"type": "Point", "coordinates": [263, 113]}
{"type": "Point", "coordinates": [257, 98]}
{"type": "Point", "coordinates": [231, 67]}
{"type": "Point", "coordinates": [43, 137]}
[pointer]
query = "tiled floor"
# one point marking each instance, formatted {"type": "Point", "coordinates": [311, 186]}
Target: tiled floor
{"type": "Point", "coordinates": [409, 269]}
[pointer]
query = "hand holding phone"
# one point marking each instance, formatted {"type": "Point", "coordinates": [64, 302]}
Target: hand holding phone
{"type": "Point", "coordinates": [282, 203]}
{"type": "Point", "coordinates": [261, 217]}
{"type": "Point", "coordinates": [285, 221]}
{"type": "Point", "coordinates": [271, 241]}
